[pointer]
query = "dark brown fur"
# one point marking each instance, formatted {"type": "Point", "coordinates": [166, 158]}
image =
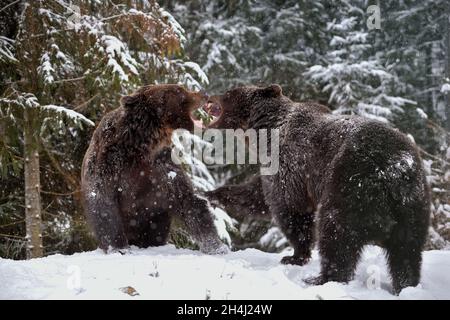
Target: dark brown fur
{"type": "Point", "coordinates": [241, 201]}
{"type": "Point", "coordinates": [358, 181]}
{"type": "Point", "coordinates": [129, 196]}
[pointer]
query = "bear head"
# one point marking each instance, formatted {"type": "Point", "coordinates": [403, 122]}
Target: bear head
{"type": "Point", "coordinates": [233, 109]}
{"type": "Point", "coordinates": [170, 104]}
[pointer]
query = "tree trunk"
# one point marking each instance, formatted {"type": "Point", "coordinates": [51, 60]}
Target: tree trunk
{"type": "Point", "coordinates": [32, 189]}
{"type": "Point", "coordinates": [447, 68]}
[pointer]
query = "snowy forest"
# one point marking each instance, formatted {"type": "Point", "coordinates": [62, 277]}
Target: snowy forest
{"type": "Point", "coordinates": [66, 63]}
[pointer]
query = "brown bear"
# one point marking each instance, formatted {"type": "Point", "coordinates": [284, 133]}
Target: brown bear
{"type": "Point", "coordinates": [131, 187]}
{"type": "Point", "coordinates": [358, 180]}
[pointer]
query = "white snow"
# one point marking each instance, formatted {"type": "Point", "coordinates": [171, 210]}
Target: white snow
{"type": "Point", "coordinates": [69, 113]}
{"type": "Point", "coordinates": [189, 151]}
{"type": "Point", "coordinates": [411, 138]}
{"type": "Point", "coordinates": [223, 222]}
{"type": "Point", "coordinates": [7, 49]}
{"type": "Point", "coordinates": [118, 49]}
{"type": "Point", "coordinates": [422, 113]}
{"type": "Point", "coordinates": [176, 27]}
{"type": "Point", "coordinates": [198, 71]}
{"type": "Point", "coordinates": [407, 158]}
{"type": "Point", "coordinates": [171, 175]}
{"type": "Point", "coordinates": [154, 273]}
{"type": "Point", "coordinates": [445, 88]}
{"type": "Point", "coordinates": [46, 70]}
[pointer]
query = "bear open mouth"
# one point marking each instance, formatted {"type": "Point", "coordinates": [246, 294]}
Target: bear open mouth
{"type": "Point", "coordinates": [206, 114]}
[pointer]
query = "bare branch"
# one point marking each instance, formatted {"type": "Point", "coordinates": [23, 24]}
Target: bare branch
{"type": "Point", "coordinates": [9, 5]}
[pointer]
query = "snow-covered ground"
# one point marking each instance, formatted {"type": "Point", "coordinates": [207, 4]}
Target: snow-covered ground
{"type": "Point", "coordinates": [170, 273]}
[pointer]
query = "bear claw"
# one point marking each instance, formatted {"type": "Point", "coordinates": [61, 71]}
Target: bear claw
{"type": "Point", "coordinates": [295, 260]}
{"type": "Point", "coordinates": [315, 281]}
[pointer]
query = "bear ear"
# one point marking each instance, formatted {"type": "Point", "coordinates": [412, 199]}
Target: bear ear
{"type": "Point", "coordinates": [272, 91]}
{"type": "Point", "coordinates": [130, 101]}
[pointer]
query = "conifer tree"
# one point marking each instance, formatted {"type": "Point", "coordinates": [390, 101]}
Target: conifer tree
{"type": "Point", "coordinates": [69, 62]}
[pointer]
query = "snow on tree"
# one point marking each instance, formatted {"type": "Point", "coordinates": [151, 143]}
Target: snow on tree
{"type": "Point", "coordinates": [189, 150]}
{"type": "Point", "coordinates": [355, 78]}
{"type": "Point", "coordinates": [6, 50]}
{"type": "Point", "coordinates": [242, 42]}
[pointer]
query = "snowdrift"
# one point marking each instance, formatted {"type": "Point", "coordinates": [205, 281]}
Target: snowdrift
{"type": "Point", "coordinates": [170, 273]}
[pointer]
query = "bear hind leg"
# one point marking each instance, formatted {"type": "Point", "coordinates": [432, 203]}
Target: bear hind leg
{"type": "Point", "coordinates": [404, 261]}
{"type": "Point", "coordinates": [159, 229]}
{"type": "Point", "coordinates": [151, 231]}
{"type": "Point", "coordinates": [104, 217]}
{"type": "Point", "coordinates": [340, 249]}
{"type": "Point", "coordinates": [338, 262]}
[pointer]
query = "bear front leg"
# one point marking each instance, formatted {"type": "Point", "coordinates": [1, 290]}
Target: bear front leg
{"type": "Point", "coordinates": [199, 222]}
{"type": "Point", "coordinates": [102, 212]}
{"type": "Point", "coordinates": [298, 229]}
{"type": "Point", "coordinates": [293, 212]}
{"type": "Point", "coordinates": [241, 200]}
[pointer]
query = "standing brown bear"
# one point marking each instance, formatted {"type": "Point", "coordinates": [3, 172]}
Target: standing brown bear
{"type": "Point", "coordinates": [130, 185]}
{"type": "Point", "coordinates": [359, 181]}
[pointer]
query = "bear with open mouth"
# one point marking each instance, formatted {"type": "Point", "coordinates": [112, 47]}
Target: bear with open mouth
{"type": "Point", "coordinates": [130, 186]}
{"type": "Point", "coordinates": [355, 181]}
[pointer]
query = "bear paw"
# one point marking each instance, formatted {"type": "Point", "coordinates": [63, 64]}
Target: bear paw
{"type": "Point", "coordinates": [295, 260]}
{"type": "Point", "coordinates": [315, 281]}
{"type": "Point", "coordinates": [219, 249]}
{"type": "Point", "coordinates": [223, 249]}
{"type": "Point", "coordinates": [123, 250]}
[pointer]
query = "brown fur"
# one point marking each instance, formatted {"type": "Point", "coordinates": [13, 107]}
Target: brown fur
{"type": "Point", "coordinates": [356, 180]}
{"type": "Point", "coordinates": [129, 196]}
{"type": "Point", "coordinates": [241, 201]}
